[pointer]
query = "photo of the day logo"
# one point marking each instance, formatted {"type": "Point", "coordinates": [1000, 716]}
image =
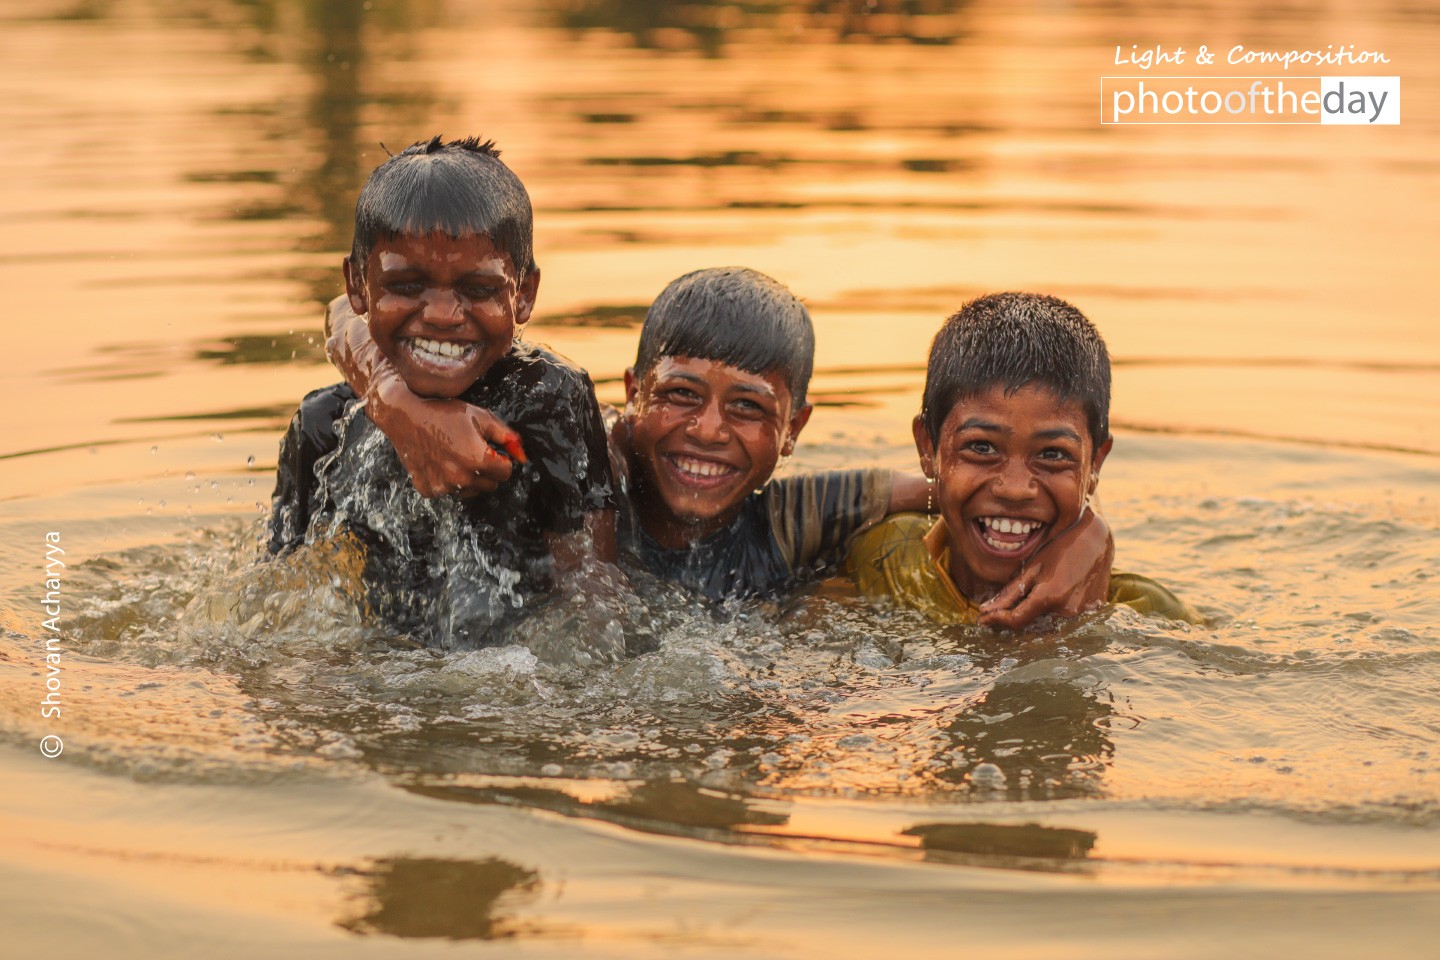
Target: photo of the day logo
{"type": "Point", "coordinates": [1220, 100]}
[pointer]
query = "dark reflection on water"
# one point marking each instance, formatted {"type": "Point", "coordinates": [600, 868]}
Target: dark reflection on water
{"type": "Point", "coordinates": [1043, 732]}
{"type": "Point", "coordinates": [337, 44]}
{"type": "Point", "coordinates": [941, 841]}
{"type": "Point", "coordinates": [126, 360]}
{"type": "Point", "coordinates": [283, 348]}
{"type": "Point", "coordinates": [708, 25]}
{"type": "Point", "coordinates": [278, 412]}
{"type": "Point", "coordinates": [450, 899]}
{"type": "Point", "coordinates": [680, 802]}
{"type": "Point", "coordinates": [340, 42]}
{"type": "Point", "coordinates": [600, 315]}
{"type": "Point", "coordinates": [665, 806]}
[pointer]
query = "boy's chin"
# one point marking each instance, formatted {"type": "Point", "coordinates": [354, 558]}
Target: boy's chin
{"type": "Point", "coordinates": [702, 516]}
{"type": "Point", "coordinates": [435, 387]}
{"type": "Point", "coordinates": [988, 574]}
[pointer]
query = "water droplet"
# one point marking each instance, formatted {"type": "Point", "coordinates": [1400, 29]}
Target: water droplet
{"type": "Point", "coordinates": [250, 460]}
{"type": "Point", "coordinates": [155, 449]}
{"type": "Point", "coordinates": [218, 437]}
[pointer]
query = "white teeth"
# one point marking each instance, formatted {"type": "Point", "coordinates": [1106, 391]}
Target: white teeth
{"type": "Point", "coordinates": [1007, 525]}
{"type": "Point", "coordinates": [441, 348]}
{"type": "Point", "coordinates": [1011, 526]}
{"type": "Point", "coordinates": [701, 468]}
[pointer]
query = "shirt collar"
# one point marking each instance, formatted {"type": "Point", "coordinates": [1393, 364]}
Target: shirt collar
{"type": "Point", "coordinates": [937, 544]}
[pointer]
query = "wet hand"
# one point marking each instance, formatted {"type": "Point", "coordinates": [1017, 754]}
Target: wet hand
{"type": "Point", "coordinates": [1066, 577]}
{"type": "Point", "coordinates": [448, 446]}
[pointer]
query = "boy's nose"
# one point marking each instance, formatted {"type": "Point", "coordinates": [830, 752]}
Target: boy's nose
{"type": "Point", "coordinates": [443, 308]}
{"type": "Point", "coordinates": [708, 425]}
{"type": "Point", "coordinates": [1015, 481]}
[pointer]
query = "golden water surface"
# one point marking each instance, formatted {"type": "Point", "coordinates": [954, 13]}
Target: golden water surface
{"type": "Point", "coordinates": [247, 770]}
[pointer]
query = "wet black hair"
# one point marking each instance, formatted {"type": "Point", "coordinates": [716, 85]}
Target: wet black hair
{"type": "Point", "coordinates": [731, 315]}
{"type": "Point", "coordinates": [452, 188]}
{"type": "Point", "coordinates": [1013, 340]}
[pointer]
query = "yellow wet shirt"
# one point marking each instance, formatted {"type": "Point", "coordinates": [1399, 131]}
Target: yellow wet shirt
{"type": "Point", "coordinates": [907, 558]}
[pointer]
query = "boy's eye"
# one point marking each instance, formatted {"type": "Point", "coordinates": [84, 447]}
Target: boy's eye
{"type": "Point", "coordinates": [478, 291]}
{"type": "Point", "coordinates": [681, 395]}
{"type": "Point", "coordinates": [1057, 455]}
{"type": "Point", "coordinates": [748, 408]}
{"type": "Point", "coordinates": [403, 288]}
{"type": "Point", "coordinates": [982, 447]}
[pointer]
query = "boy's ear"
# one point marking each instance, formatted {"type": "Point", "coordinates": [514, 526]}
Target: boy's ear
{"type": "Point", "coordinates": [797, 423]}
{"type": "Point", "coordinates": [1101, 452]}
{"type": "Point", "coordinates": [924, 445]}
{"type": "Point", "coordinates": [525, 295]}
{"type": "Point", "coordinates": [632, 389]}
{"type": "Point", "coordinates": [355, 286]}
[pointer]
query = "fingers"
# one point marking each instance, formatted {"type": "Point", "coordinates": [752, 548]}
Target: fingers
{"type": "Point", "coordinates": [476, 469]}
{"type": "Point", "coordinates": [449, 447]}
{"type": "Point", "coordinates": [450, 456]}
{"type": "Point", "coordinates": [1013, 593]}
{"type": "Point", "coordinates": [497, 433]}
{"type": "Point", "coordinates": [1023, 602]}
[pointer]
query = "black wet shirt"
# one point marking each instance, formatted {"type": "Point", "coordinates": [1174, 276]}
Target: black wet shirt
{"type": "Point", "coordinates": [786, 534]}
{"type": "Point", "coordinates": [452, 571]}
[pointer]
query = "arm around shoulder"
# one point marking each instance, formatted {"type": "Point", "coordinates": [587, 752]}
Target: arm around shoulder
{"type": "Point", "coordinates": [447, 446]}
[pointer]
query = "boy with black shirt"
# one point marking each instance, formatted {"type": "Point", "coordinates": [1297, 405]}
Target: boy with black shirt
{"type": "Point", "coordinates": [442, 271]}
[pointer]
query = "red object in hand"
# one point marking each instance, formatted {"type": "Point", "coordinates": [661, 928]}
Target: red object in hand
{"type": "Point", "coordinates": [517, 452]}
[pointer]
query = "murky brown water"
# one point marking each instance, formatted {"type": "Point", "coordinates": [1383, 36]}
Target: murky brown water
{"type": "Point", "coordinates": [247, 767]}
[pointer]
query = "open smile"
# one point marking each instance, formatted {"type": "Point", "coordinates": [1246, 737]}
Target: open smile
{"type": "Point", "coordinates": [699, 472]}
{"type": "Point", "coordinates": [440, 354]}
{"type": "Point", "coordinates": [1008, 538]}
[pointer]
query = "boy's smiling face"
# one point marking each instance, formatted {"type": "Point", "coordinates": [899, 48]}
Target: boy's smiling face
{"type": "Point", "coordinates": [1010, 473]}
{"type": "Point", "coordinates": [441, 309]}
{"type": "Point", "coordinates": [703, 436]}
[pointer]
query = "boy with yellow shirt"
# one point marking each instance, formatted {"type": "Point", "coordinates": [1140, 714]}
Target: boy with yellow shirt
{"type": "Point", "coordinates": [1013, 430]}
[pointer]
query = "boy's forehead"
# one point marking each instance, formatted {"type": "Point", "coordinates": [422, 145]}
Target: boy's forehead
{"type": "Point", "coordinates": [719, 374]}
{"type": "Point", "coordinates": [1032, 400]}
{"type": "Point", "coordinates": [392, 252]}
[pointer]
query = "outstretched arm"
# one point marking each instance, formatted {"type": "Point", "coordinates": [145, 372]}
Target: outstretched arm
{"type": "Point", "coordinates": [1067, 576]}
{"type": "Point", "coordinates": [910, 491]}
{"type": "Point", "coordinates": [448, 446]}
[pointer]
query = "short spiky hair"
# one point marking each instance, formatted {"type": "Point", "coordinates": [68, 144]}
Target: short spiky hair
{"type": "Point", "coordinates": [731, 315]}
{"type": "Point", "coordinates": [452, 188]}
{"type": "Point", "coordinates": [1012, 340]}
